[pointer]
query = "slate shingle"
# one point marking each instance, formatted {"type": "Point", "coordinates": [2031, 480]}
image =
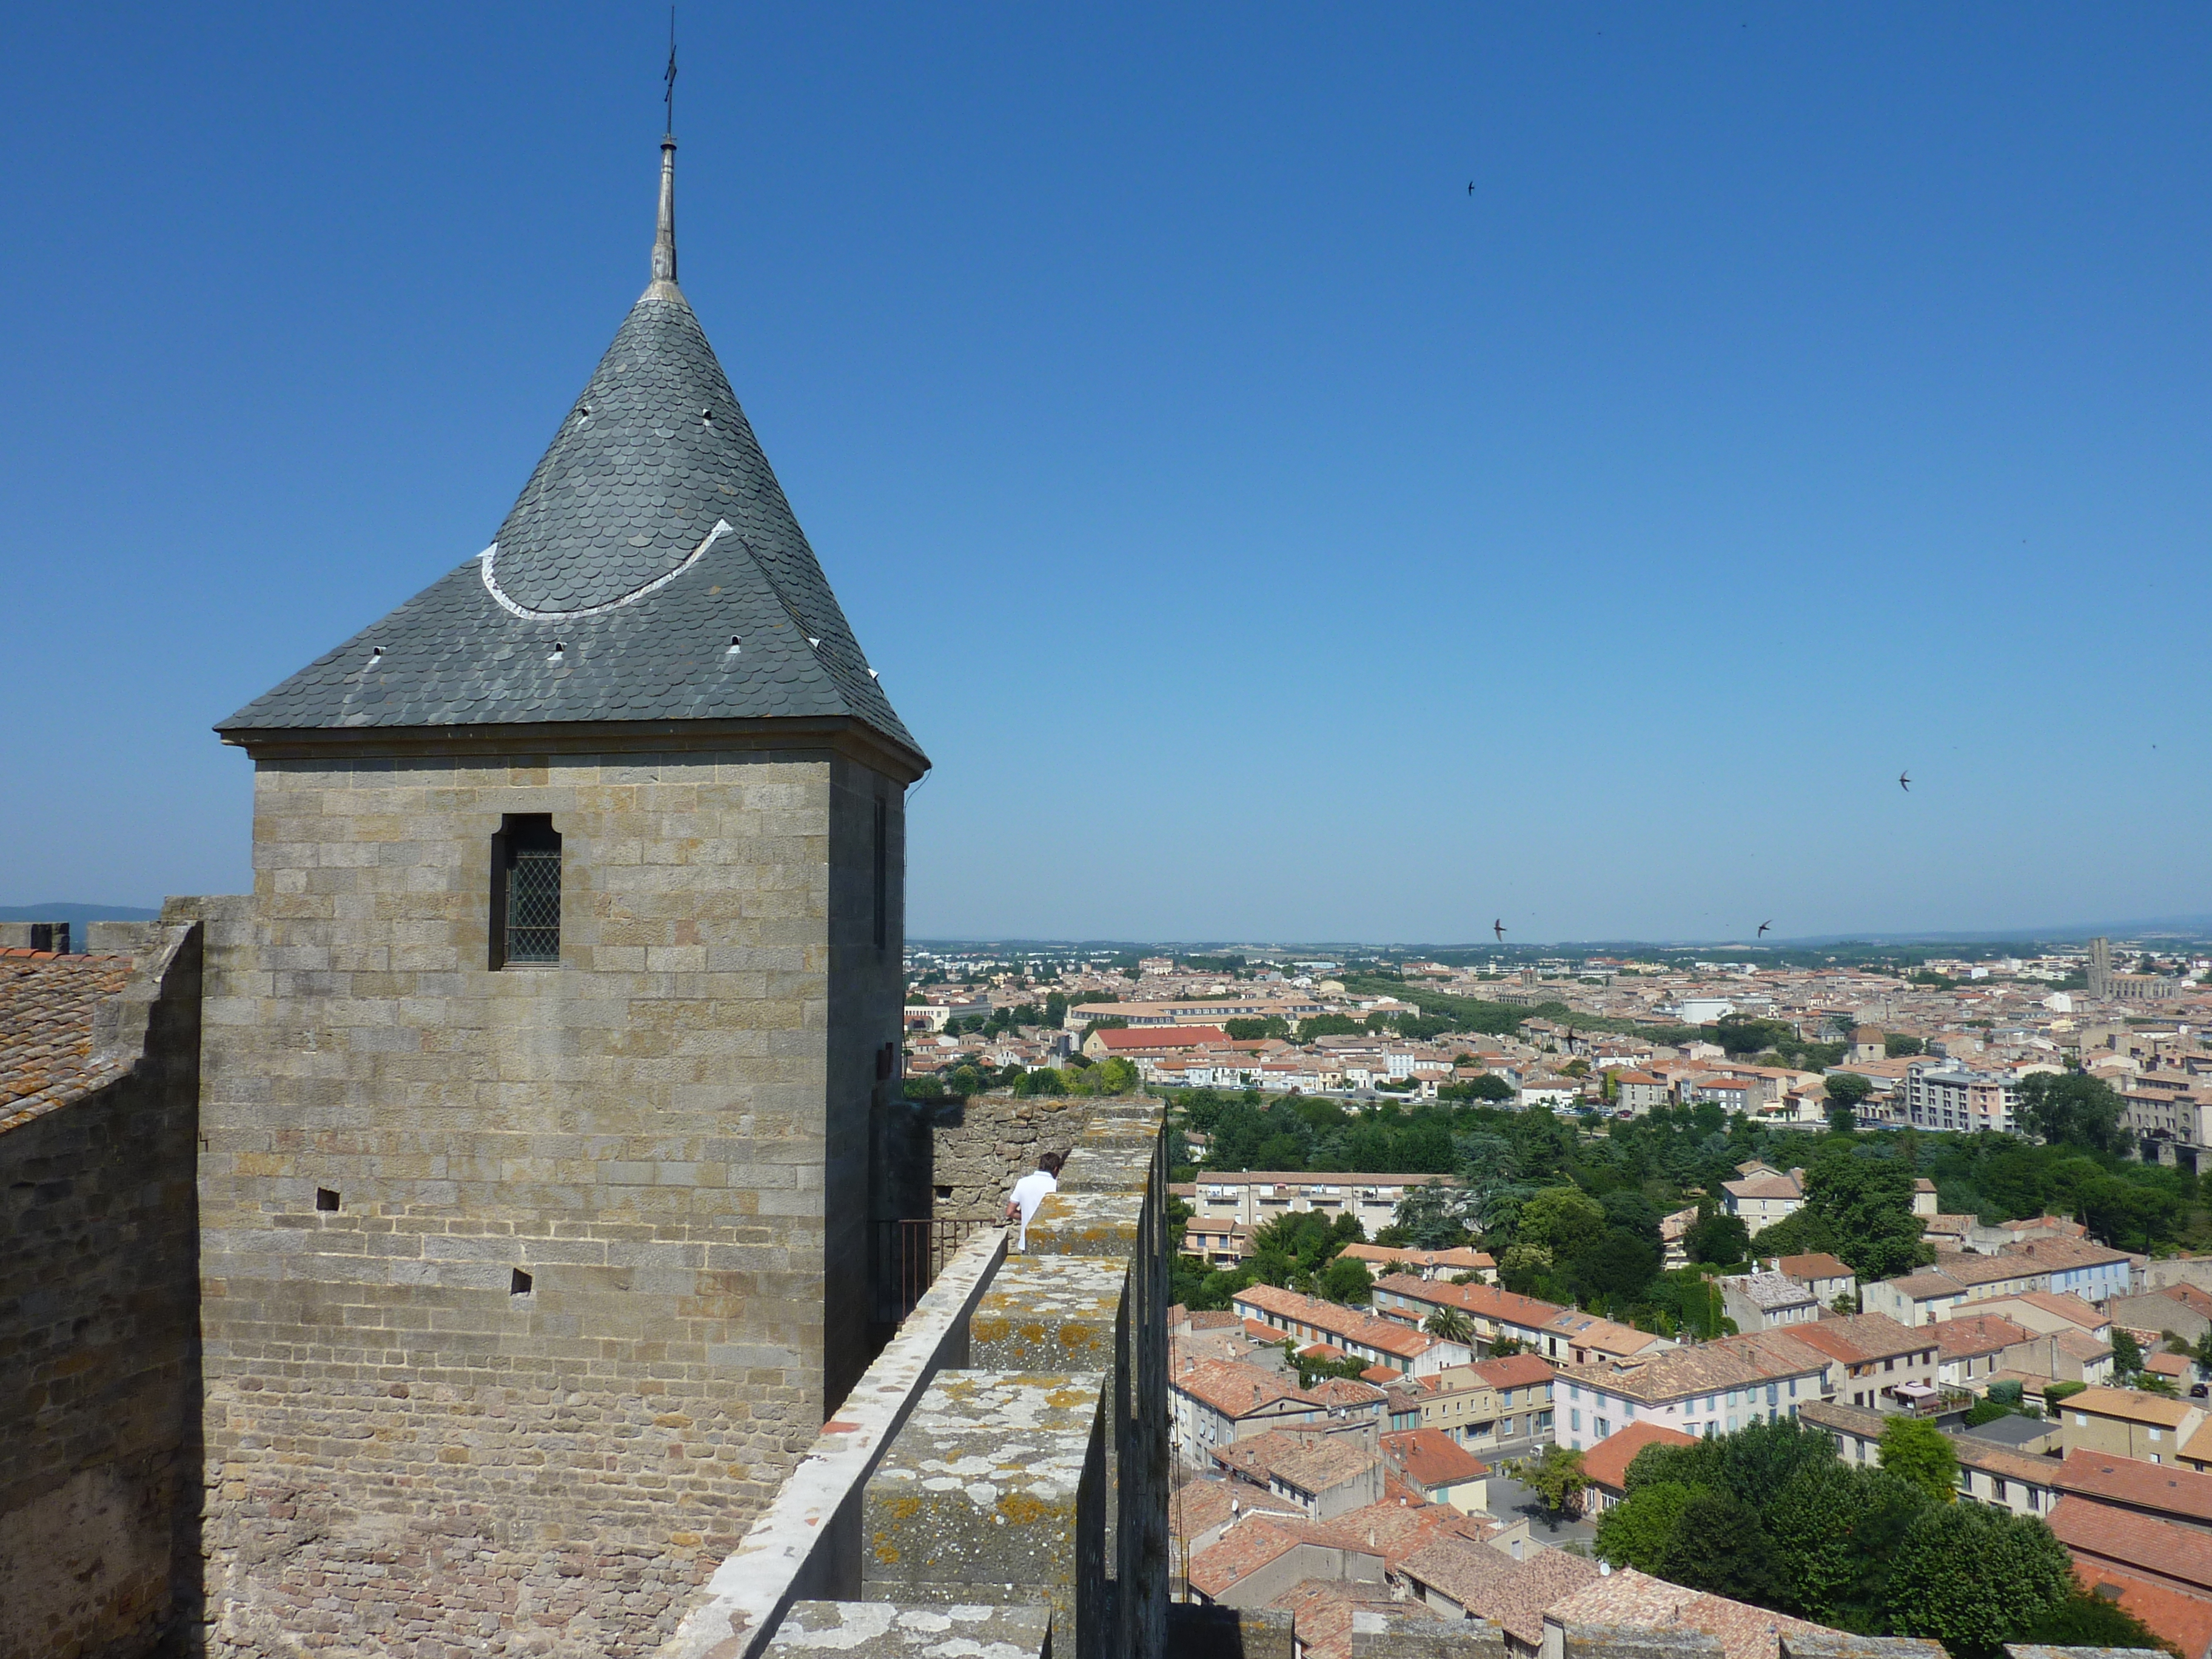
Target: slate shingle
{"type": "Point", "coordinates": [653, 457]}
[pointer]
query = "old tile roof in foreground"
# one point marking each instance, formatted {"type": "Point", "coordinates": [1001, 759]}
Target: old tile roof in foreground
{"type": "Point", "coordinates": [1491, 1585]}
{"type": "Point", "coordinates": [1633, 1598]}
{"type": "Point", "coordinates": [651, 535]}
{"type": "Point", "coordinates": [46, 1004]}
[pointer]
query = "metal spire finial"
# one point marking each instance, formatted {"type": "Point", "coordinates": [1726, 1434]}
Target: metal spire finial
{"type": "Point", "coordinates": [663, 234]}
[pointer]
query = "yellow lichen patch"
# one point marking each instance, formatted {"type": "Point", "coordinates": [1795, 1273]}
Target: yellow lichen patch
{"type": "Point", "coordinates": [886, 1551]}
{"type": "Point", "coordinates": [903, 1509]}
{"type": "Point", "coordinates": [1021, 1510]}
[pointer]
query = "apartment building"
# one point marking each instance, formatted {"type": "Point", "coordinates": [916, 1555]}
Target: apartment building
{"type": "Point", "coordinates": [2128, 1423]}
{"type": "Point", "coordinates": [1381, 1258]}
{"type": "Point", "coordinates": [1493, 1312]}
{"type": "Point", "coordinates": [1255, 1196]}
{"type": "Point", "coordinates": [1763, 1196]}
{"type": "Point", "coordinates": [1198, 1011]}
{"type": "Point", "coordinates": [1941, 1094]}
{"type": "Point", "coordinates": [1715, 1388]}
{"type": "Point", "coordinates": [1307, 1320]}
{"type": "Point", "coordinates": [1767, 1301]}
{"type": "Point", "coordinates": [1825, 1276]}
{"type": "Point", "coordinates": [1880, 1364]}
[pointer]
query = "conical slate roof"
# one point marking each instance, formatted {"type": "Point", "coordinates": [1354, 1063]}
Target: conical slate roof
{"type": "Point", "coordinates": [652, 537]}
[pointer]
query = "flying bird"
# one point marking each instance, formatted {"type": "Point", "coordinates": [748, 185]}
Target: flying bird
{"type": "Point", "coordinates": [1498, 928]}
{"type": "Point", "coordinates": [1470, 186]}
{"type": "Point", "coordinates": [1904, 781]}
{"type": "Point", "coordinates": [1763, 926]}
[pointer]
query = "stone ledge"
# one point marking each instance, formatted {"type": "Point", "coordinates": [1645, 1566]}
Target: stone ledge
{"type": "Point", "coordinates": [885, 1630]}
{"type": "Point", "coordinates": [1087, 1224]}
{"type": "Point", "coordinates": [989, 1491]}
{"type": "Point", "coordinates": [806, 1544]}
{"type": "Point", "coordinates": [1382, 1633]}
{"type": "Point", "coordinates": [1049, 1313]}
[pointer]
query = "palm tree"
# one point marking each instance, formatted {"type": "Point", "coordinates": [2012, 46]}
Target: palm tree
{"type": "Point", "coordinates": [1451, 1324]}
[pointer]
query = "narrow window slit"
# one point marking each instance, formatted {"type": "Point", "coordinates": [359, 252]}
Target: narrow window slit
{"type": "Point", "coordinates": [326, 1199]}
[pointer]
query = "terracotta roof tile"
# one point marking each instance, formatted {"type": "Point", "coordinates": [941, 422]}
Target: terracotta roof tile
{"type": "Point", "coordinates": [46, 1004]}
{"type": "Point", "coordinates": [2182, 1618]}
{"type": "Point", "coordinates": [1492, 1585]}
{"type": "Point", "coordinates": [2142, 1542]}
{"type": "Point", "coordinates": [2131, 1482]}
{"type": "Point", "coordinates": [1608, 1461]}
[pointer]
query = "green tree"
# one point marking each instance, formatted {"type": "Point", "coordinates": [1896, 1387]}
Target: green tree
{"type": "Point", "coordinates": [1719, 1545]}
{"type": "Point", "coordinates": [1867, 1205]}
{"type": "Point", "coordinates": [1974, 1577]}
{"type": "Point", "coordinates": [2086, 1621]}
{"type": "Point", "coordinates": [2127, 1354]}
{"type": "Point", "coordinates": [1432, 1218]}
{"type": "Point", "coordinates": [1346, 1280]}
{"type": "Point", "coordinates": [1556, 1477]}
{"type": "Point", "coordinates": [1718, 1238]}
{"type": "Point", "coordinates": [1482, 1085]}
{"type": "Point", "coordinates": [1847, 1091]}
{"type": "Point", "coordinates": [2072, 1109]}
{"type": "Point", "coordinates": [1559, 1218]}
{"type": "Point", "coordinates": [1117, 1077]}
{"type": "Point", "coordinates": [1449, 1324]}
{"type": "Point", "coordinates": [1252, 1031]}
{"type": "Point", "coordinates": [1897, 1045]}
{"type": "Point", "coordinates": [1923, 1454]}
{"type": "Point", "coordinates": [1638, 1531]}
{"type": "Point", "coordinates": [1810, 1521]}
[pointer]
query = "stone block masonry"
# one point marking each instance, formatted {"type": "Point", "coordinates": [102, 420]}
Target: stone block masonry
{"type": "Point", "coordinates": [982, 1145]}
{"type": "Point", "coordinates": [99, 1418]}
{"type": "Point", "coordinates": [524, 1287]}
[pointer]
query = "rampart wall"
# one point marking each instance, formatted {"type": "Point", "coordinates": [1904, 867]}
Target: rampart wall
{"type": "Point", "coordinates": [98, 1366]}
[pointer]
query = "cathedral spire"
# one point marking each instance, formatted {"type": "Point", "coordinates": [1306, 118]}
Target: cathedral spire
{"type": "Point", "coordinates": [663, 286]}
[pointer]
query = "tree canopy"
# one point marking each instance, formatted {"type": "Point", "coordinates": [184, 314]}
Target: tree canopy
{"type": "Point", "coordinates": [1769, 1514]}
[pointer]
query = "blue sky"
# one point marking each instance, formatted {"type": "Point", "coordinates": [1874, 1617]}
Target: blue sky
{"type": "Point", "coordinates": [1266, 537]}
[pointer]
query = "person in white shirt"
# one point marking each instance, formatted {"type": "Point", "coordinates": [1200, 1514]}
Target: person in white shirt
{"type": "Point", "coordinates": [1029, 1192]}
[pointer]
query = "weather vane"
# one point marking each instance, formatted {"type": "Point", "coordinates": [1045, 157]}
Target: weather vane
{"type": "Point", "coordinates": [669, 97]}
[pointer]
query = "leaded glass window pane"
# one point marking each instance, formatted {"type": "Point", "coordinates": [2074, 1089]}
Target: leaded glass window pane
{"type": "Point", "coordinates": [533, 906]}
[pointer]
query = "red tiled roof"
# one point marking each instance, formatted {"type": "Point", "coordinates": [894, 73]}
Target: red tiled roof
{"type": "Point", "coordinates": [1431, 1458]}
{"type": "Point", "coordinates": [2164, 1548]}
{"type": "Point", "coordinates": [45, 1026]}
{"type": "Point", "coordinates": [1516, 1371]}
{"type": "Point", "coordinates": [2131, 1482]}
{"type": "Point", "coordinates": [2182, 1618]}
{"type": "Point", "coordinates": [1608, 1461]}
{"type": "Point", "coordinates": [1817, 1265]}
{"type": "Point", "coordinates": [1236, 1390]}
{"type": "Point", "coordinates": [1862, 1337]}
{"type": "Point", "coordinates": [1487, 1301]}
{"type": "Point", "coordinates": [1164, 1037]}
{"type": "Point", "coordinates": [1321, 1612]}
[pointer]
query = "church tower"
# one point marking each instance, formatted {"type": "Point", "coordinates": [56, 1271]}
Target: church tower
{"type": "Point", "coordinates": [543, 1064]}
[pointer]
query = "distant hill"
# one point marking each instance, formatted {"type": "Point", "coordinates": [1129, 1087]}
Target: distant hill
{"type": "Point", "coordinates": [75, 913]}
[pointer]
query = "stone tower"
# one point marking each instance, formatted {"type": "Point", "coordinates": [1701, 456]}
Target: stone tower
{"type": "Point", "coordinates": [542, 1066]}
{"type": "Point", "coordinates": [2100, 969]}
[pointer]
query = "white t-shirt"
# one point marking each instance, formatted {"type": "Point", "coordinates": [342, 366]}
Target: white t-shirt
{"type": "Point", "coordinates": [1029, 1192]}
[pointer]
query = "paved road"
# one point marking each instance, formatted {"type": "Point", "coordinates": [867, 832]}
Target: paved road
{"type": "Point", "coordinates": [1509, 1498]}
